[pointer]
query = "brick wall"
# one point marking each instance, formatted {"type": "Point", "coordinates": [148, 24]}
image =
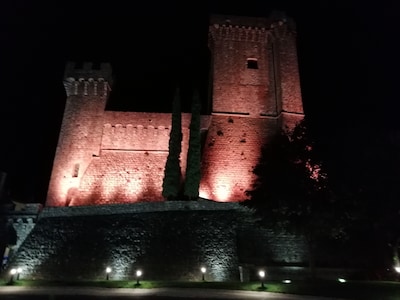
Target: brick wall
{"type": "Point", "coordinates": [81, 128]}
{"type": "Point", "coordinates": [122, 177]}
{"type": "Point", "coordinates": [236, 87]}
{"type": "Point", "coordinates": [284, 39]}
{"type": "Point", "coordinates": [231, 151]}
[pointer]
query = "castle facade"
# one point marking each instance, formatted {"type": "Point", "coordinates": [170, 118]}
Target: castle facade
{"type": "Point", "coordinates": [110, 157]}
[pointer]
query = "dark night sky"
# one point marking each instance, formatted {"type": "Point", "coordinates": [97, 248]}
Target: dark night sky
{"type": "Point", "coordinates": [348, 60]}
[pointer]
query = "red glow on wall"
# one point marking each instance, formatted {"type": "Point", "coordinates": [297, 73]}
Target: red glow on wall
{"type": "Point", "coordinates": [107, 157]}
{"type": "Point", "coordinates": [122, 177]}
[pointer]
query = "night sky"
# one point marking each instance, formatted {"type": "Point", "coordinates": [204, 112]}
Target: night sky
{"type": "Point", "coordinates": [348, 59]}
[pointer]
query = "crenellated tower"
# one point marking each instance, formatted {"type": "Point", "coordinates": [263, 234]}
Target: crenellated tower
{"type": "Point", "coordinates": [256, 92]}
{"type": "Point", "coordinates": [255, 69]}
{"type": "Point", "coordinates": [87, 89]}
{"type": "Point", "coordinates": [106, 157]}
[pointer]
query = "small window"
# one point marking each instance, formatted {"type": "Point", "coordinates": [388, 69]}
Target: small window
{"type": "Point", "coordinates": [76, 170]}
{"type": "Point", "coordinates": [252, 63]}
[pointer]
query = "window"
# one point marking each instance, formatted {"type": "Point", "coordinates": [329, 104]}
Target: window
{"type": "Point", "coordinates": [76, 170]}
{"type": "Point", "coordinates": [252, 63]}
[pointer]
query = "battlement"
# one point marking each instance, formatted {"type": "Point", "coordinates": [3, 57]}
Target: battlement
{"type": "Point", "coordinates": [249, 28]}
{"type": "Point", "coordinates": [239, 21]}
{"type": "Point", "coordinates": [88, 70]}
{"type": "Point", "coordinates": [236, 33]}
{"type": "Point", "coordinates": [88, 79]}
{"type": "Point", "coordinates": [135, 137]}
{"type": "Point", "coordinates": [88, 87]}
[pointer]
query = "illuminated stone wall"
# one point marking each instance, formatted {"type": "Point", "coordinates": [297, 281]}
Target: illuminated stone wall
{"type": "Point", "coordinates": [105, 157]}
{"type": "Point", "coordinates": [256, 92]}
{"type": "Point", "coordinates": [255, 69]}
{"type": "Point", "coordinates": [231, 151]}
{"type": "Point", "coordinates": [167, 240]}
{"type": "Point", "coordinates": [16, 222]}
{"type": "Point", "coordinates": [79, 141]}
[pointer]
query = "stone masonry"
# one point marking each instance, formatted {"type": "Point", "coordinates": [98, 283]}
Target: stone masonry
{"type": "Point", "coordinates": [108, 157]}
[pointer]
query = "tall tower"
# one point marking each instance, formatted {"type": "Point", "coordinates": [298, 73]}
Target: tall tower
{"type": "Point", "coordinates": [256, 92]}
{"type": "Point", "coordinates": [87, 90]}
{"type": "Point", "coordinates": [255, 69]}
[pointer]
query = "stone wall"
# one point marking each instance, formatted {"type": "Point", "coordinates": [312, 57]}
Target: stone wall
{"type": "Point", "coordinates": [231, 151]}
{"type": "Point", "coordinates": [17, 220]}
{"type": "Point", "coordinates": [238, 88]}
{"type": "Point", "coordinates": [166, 241]}
{"type": "Point", "coordinates": [262, 247]}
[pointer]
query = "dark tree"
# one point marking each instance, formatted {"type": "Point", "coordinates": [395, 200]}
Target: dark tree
{"type": "Point", "coordinates": [172, 172]}
{"type": "Point", "coordinates": [193, 174]}
{"type": "Point", "coordinates": [291, 192]}
{"type": "Point", "coordinates": [370, 176]}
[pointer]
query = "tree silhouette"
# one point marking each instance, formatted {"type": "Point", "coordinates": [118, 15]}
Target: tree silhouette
{"type": "Point", "coordinates": [291, 192]}
{"type": "Point", "coordinates": [370, 178]}
{"type": "Point", "coordinates": [172, 172]}
{"type": "Point", "coordinates": [193, 174]}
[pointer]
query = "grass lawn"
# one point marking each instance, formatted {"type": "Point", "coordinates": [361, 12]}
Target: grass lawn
{"type": "Point", "coordinates": [365, 290]}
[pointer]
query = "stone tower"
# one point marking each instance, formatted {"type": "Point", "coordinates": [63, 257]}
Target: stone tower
{"type": "Point", "coordinates": [256, 92]}
{"type": "Point", "coordinates": [255, 70]}
{"type": "Point", "coordinates": [87, 90]}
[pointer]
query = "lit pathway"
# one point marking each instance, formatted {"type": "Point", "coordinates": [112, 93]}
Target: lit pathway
{"type": "Point", "coordinates": [12, 292]}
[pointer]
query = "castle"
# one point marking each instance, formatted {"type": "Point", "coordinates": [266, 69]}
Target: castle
{"type": "Point", "coordinates": [115, 157]}
{"type": "Point", "coordinates": [118, 157]}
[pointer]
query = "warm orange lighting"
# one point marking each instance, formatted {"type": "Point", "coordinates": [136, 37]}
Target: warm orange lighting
{"type": "Point", "coordinates": [222, 192]}
{"type": "Point", "coordinates": [106, 157]}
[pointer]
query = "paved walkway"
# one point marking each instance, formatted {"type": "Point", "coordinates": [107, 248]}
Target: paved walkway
{"type": "Point", "coordinates": [185, 293]}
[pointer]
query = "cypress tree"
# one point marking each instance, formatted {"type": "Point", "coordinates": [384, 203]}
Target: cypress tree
{"type": "Point", "coordinates": [193, 173]}
{"type": "Point", "coordinates": [172, 171]}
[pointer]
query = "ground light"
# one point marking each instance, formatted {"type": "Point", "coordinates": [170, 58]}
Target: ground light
{"type": "Point", "coordinates": [108, 271]}
{"type": "Point", "coordinates": [261, 273]}
{"type": "Point", "coordinates": [203, 273]}
{"type": "Point", "coordinates": [138, 275]}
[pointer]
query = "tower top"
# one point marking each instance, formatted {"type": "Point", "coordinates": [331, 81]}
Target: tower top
{"type": "Point", "coordinates": [231, 20]}
{"type": "Point", "coordinates": [88, 70]}
{"type": "Point", "coordinates": [275, 17]}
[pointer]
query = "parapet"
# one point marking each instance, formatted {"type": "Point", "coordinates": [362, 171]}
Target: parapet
{"type": "Point", "coordinates": [230, 20]}
{"type": "Point", "coordinates": [87, 79]}
{"type": "Point", "coordinates": [250, 28]}
{"type": "Point", "coordinates": [88, 70]}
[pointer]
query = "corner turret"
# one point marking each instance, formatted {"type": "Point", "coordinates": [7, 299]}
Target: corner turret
{"type": "Point", "coordinates": [87, 90]}
{"type": "Point", "coordinates": [90, 79]}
